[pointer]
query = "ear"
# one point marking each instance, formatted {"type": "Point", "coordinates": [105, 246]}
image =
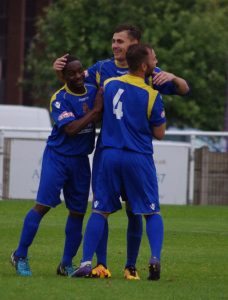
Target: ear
{"type": "Point", "coordinates": [144, 67]}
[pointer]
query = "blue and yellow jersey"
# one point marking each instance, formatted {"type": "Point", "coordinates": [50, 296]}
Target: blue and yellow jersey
{"type": "Point", "coordinates": [104, 69]}
{"type": "Point", "coordinates": [65, 107]}
{"type": "Point", "coordinates": [131, 109]}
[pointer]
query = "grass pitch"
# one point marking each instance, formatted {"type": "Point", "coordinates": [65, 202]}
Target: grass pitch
{"type": "Point", "coordinates": [194, 259]}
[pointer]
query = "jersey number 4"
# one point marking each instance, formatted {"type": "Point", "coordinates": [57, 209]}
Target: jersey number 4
{"type": "Point", "coordinates": [117, 104]}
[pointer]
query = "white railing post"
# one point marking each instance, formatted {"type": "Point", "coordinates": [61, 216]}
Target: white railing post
{"type": "Point", "coordinates": [190, 197]}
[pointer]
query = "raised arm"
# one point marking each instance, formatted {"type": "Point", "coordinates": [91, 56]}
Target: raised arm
{"type": "Point", "coordinates": [58, 66]}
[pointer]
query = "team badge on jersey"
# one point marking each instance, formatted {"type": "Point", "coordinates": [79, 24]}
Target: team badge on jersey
{"type": "Point", "coordinates": [95, 204]}
{"type": "Point", "coordinates": [57, 104]}
{"type": "Point", "coordinates": [152, 206]}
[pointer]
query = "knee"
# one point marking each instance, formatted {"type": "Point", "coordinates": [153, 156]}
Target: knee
{"type": "Point", "coordinates": [75, 214]}
{"type": "Point", "coordinates": [41, 209]}
{"type": "Point", "coordinates": [135, 223]}
{"type": "Point", "coordinates": [105, 215]}
{"type": "Point", "coordinates": [134, 218]}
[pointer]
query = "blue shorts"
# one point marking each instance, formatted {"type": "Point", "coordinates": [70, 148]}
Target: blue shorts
{"type": "Point", "coordinates": [120, 172]}
{"type": "Point", "coordinates": [96, 160]}
{"type": "Point", "coordinates": [68, 173]}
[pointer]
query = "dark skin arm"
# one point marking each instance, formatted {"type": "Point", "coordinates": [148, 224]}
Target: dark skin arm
{"type": "Point", "coordinates": [58, 66]}
{"type": "Point", "coordinates": [92, 116]}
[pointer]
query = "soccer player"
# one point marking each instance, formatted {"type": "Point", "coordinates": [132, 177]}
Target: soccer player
{"type": "Point", "coordinates": [74, 110]}
{"type": "Point", "coordinates": [165, 83]}
{"type": "Point", "coordinates": [133, 114]}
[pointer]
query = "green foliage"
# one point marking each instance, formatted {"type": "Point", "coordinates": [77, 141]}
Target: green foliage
{"type": "Point", "coordinates": [194, 257]}
{"type": "Point", "coordinates": [189, 37]}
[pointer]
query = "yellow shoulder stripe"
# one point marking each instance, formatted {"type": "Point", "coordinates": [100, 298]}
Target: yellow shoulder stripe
{"type": "Point", "coordinates": [53, 98]}
{"type": "Point", "coordinates": [139, 82]}
{"type": "Point", "coordinates": [152, 97]}
{"type": "Point", "coordinates": [98, 78]}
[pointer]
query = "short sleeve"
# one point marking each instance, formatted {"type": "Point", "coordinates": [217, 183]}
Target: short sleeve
{"type": "Point", "coordinates": [61, 112]}
{"type": "Point", "coordinates": [158, 112]}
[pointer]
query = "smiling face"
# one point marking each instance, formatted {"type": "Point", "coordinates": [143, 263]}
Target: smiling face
{"type": "Point", "coordinates": [120, 43]}
{"type": "Point", "coordinates": [74, 74]}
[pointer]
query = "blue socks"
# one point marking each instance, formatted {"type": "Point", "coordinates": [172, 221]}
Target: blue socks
{"type": "Point", "coordinates": [101, 251]}
{"type": "Point", "coordinates": [134, 236]}
{"type": "Point", "coordinates": [30, 227]}
{"type": "Point", "coordinates": [93, 235]}
{"type": "Point", "coordinates": [155, 233]}
{"type": "Point", "coordinates": [73, 231]}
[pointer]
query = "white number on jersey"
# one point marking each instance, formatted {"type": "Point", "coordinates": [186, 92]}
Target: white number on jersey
{"type": "Point", "coordinates": [117, 104]}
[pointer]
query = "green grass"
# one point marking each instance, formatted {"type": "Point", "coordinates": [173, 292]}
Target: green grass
{"type": "Point", "coordinates": [194, 259]}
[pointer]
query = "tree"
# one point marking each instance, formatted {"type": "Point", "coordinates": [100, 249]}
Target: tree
{"type": "Point", "coordinates": [189, 37]}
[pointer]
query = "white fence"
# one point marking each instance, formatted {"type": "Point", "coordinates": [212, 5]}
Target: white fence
{"type": "Point", "coordinates": [20, 161]}
{"type": "Point", "coordinates": [21, 152]}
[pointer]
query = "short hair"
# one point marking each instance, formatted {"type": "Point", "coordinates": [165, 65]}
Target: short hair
{"type": "Point", "coordinates": [133, 31]}
{"type": "Point", "coordinates": [69, 59]}
{"type": "Point", "coordinates": [136, 55]}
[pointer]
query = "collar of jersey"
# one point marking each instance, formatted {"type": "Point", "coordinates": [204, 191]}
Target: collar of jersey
{"type": "Point", "coordinates": [119, 66]}
{"type": "Point", "coordinates": [135, 79]}
{"type": "Point", "coordinates": [72, 93]}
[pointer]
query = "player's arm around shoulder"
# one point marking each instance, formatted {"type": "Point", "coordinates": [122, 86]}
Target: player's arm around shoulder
{"type": "Point", "coordinates": [162, 77]}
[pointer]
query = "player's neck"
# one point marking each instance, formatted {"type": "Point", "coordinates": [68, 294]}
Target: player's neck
{"type": "Point", "coordinates": [121, 63]}
{"type": "Point", "coordinates": [76, 89]}
{"type": "Point", "coordinates": [140, 74]}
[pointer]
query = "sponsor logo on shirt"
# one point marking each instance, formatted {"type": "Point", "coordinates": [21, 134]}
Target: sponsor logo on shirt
{"type": "Point", "coordinates": [65, 115]}
{"type": "Point", "coordinates": [83, 99]}
{"type": "Point", "coordinates": [122, 72]}
{"type": "Point", "coordinates": [86, 130]}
